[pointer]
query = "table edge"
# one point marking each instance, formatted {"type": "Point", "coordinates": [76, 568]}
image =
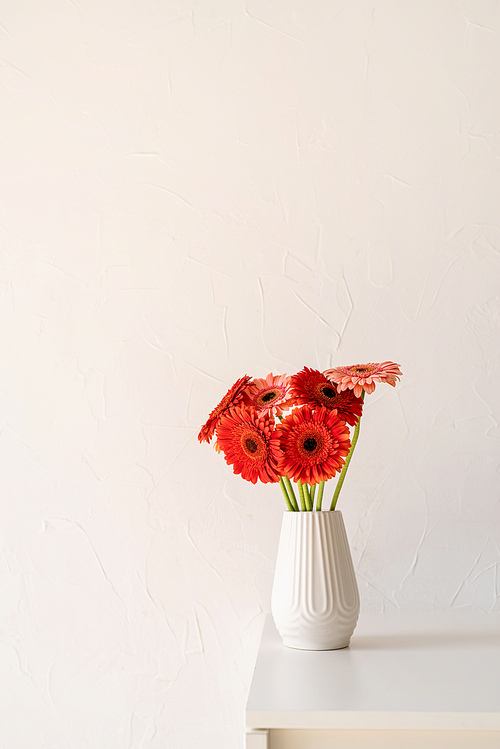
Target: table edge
{"type": "Point", "coordinates": [368, 720]}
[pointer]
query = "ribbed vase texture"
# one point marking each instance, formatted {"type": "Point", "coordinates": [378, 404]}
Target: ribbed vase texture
{"type": "Point", "coordinates": [315, 598]}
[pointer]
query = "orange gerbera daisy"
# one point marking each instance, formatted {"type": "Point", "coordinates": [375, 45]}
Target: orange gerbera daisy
{"type": "Point", "coordinates": [250, 444]}
{"type": "Point", "coordinates": [314, 444]}
{"type": "Point", "coordinates": [359, 377]}
{"type": "Point", "coordinates": [233, 396]}
{"type": "Point", "coordinates": [270, 395]}
{"type": "Point", "coordinates": [312, 388]}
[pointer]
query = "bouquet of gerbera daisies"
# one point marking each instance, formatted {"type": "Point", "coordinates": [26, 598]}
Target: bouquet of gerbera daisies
{"type": "Point", "coordinates": [284, 429]}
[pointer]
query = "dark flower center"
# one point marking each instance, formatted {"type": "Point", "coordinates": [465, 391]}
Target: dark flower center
{"type": "Point", "coordinates": [251, 445]}
{"type": "Point", "coordinates": [269, 396]}
{"type": "Point", "coordinates": [328, 392]}
{"type": "Point", "coordinates": [310, 444]}
{"type": "Point", "coordinates": [362, 369]}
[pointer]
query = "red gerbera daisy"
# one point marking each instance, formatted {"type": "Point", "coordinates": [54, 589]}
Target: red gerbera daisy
{"type": "Point", "coordinates": [233, 396]}
{"type": "Point", "coordinates": [312, 388]}
{"type": "Point", "coordinates": [270, 395]}
{"type": "Point", "coordinates": [314, 444]}
{"type": "Point", "coordinates": [250, 444]}
{"type": "Point", "coordinates": [359, 377]}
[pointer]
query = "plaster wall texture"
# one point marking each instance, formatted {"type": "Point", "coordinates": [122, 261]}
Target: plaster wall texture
{"type": "Point", "coordinates": [196, 190]}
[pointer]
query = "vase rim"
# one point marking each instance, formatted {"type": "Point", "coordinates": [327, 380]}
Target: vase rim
{"type": "Point", "coordinates": [312, 512]}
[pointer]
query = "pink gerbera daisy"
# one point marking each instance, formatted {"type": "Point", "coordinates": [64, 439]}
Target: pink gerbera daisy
{"type": "Point", "coordinates": [233, 396]}
{"type": "Point", "coordinates": [269, 395]}
{"type": "Point", "coordinates": [359, 377]}
{"type": "Point", "coordinates": [250, 444]}
{"type": "Point", "coordinates": [314, 444]}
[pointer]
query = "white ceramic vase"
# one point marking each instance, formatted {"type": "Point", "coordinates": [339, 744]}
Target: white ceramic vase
{"type": "Point", "coordinates": [315, 598]}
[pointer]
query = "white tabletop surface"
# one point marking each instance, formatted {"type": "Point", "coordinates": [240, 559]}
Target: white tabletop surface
{"type": "Point", "coordinates": [406, 670]}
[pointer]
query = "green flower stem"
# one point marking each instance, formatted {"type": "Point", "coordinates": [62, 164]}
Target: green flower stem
{"type": "Point", "coordinates": [287, 498]}
{"type": "Point", "coordinates": [311, 494]}
{"type": "Point", "coordinates": [291, 493]}
{"type": "Point", "coordinates": [307, 497]}
{"type": "Point", "coordinates": [347, 461]}
{"type": "Point", "coordinates": [303, 505]}
{"type": "Point", "coordinates": [320, 495]}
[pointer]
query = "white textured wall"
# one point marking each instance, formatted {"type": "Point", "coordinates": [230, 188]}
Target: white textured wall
{"type": "Point", "coordinates": [193, 190]}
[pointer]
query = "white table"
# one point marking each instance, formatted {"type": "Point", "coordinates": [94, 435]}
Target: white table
{"type": "Point", "coordinates": [407, 681]}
